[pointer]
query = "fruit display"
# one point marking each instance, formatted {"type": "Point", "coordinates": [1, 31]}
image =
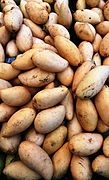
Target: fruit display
{"type": "Point", "coordinates": [54, 89]}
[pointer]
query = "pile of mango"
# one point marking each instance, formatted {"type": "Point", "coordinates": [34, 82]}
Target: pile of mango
{"type": "Point", "coordinates": [54, 93]}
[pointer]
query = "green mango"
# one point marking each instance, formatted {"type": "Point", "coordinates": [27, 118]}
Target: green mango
{"type": "Point", "coordinates": [9, 158]}
{"type": "Point", "coordinates": [2, 161]}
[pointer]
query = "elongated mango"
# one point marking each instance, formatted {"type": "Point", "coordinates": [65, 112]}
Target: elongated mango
{"type": "Point", "coordinates": [85, 144]}
{"type": "Point", "coordinates": [49, 97]}
{"type": "Point", "coordinates": [36, 158]}
{"type": "Point", "coordinates": [18, 170]}
{"type": "Point", "coordinates": [49, 61]}
{"type": "Point", "coordinates": [68, 50]}
{"type": "Point", "coordinates": [15, 96]}
{"type": "Point", "coordinates": [49, 119]}
{"type": "Point", "coordinates": [93, 82]}
{"type": "Point", "coordinates": [36, 77]}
